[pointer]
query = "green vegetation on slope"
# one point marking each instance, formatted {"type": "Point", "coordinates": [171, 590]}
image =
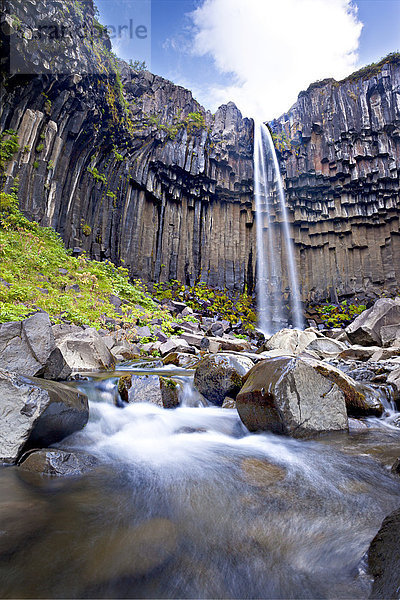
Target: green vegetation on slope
{"type": "Point", "coordinates": [223, 304]}
{"type": "Point", "coordinates": [37, 272]}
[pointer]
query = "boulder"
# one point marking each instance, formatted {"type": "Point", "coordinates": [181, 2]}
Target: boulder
{"type": "Point", "coordinates": [386, 353]}
{"type": "Point", "coordinates": [361, 401]}
{"type": "Point", "coordinates": [390, 335]}
{"type": "Point", "coordinates": [366, 328]}
{"type": "Point", "coordinates": [290, 340]}
{"type": "Point", "coordinates": [36, 413]}
{"type": "Point", "coordinates": [28, 347]}
{"type": "Point", "coordinates": [231, 344]}
{"type": "Point", "coordinates": [169, 392]}
{"type": "Point", "coordinates": [181, 359]}
{"type": "Point", "coordinates": [83, 350]}
{"type": "Point", "coordinates": [174, 344]}
{"type": "Point", "coordinates": [161, 391]}
{"type": "Point", "coordinates": [288, 396]}
{"type": "Point", "coordinates": [221, 375]}
{"type": "Point", "coordinates": [57, 463]}
{"type": "Point", "coordinates": [145, 388]}
{"type": "Point", "coordinates": [357, 352]}
{"type": "Point", "coordinates": [384, 559]}
{"type": "Point", "coordinates": [326, 347]}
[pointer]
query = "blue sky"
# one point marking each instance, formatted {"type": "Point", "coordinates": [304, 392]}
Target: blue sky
{"type": "Point", "coordinates": [258, 53]}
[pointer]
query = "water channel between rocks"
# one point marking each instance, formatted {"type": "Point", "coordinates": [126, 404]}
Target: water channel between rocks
{"type": "Point", "coordinates": [185, 503]}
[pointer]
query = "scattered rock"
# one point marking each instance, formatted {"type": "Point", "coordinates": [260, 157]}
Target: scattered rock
{"type": "Point", "coordinates": [358, 352]}
{"type": "Point", "coordinates": [36, 413]}
{"type": "Point", "coordinates": [181, 359]}
{"type": "Point", "coordinates": [288, 396]}
{"type": "Point", "coordinates": [29, 348]}
{"type": "Point", "coordinates": [366, 328]}
{"type": "Point", "coordinates": [56, 462]}
{"type": "Point", "coordinates": [142, 332]}
{"type": "Point", "coordinates": [174, 344]}
{"type": "Point", "coordinates": [220, 375]}
{"type": "Point", "coordinates": [231, 344]}
{"type": "Point", "coordinates": [384, 559]}
{"type": "Point", "coordinates": [385, 353]}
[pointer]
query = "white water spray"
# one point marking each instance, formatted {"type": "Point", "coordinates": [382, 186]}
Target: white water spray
{"type": "Point", "coordinates": [270, 260]}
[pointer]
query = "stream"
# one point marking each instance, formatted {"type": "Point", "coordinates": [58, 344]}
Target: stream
{"type": "Point", "coordinates": [185, 503]}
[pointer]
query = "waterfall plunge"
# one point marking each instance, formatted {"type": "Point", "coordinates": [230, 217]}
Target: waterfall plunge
{"type": "Point", "coordinates": [271, 261]}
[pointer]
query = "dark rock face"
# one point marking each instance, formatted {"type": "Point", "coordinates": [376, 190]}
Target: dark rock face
{"type": "Point", "coordinates": [288, 396]}
{"type": "Point", "coordinates": [143, 173]}
{"type": "Point", "coordinates": [36, 413]}
{"type": "Point", "coordinates": [384, 559]}
{"type": "Point", "coordinates": [340, 146]}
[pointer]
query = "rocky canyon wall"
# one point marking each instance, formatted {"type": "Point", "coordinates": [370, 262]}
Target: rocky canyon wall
{"type": "Point", "coordinates": [340, 155]}
{"type": "Point", "coordinates": [128, 166]}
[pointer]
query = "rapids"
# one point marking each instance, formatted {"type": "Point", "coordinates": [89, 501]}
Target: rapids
{"type": "Point", "coordinates": [186, 503]}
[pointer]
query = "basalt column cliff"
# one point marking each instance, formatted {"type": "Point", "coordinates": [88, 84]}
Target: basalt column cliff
{"type": "Point", "coordinates": [128, 166]}
{"type": "Point", "coordinates": [340, 154]}
{"type": "Point", "coordinates": [125, 164]}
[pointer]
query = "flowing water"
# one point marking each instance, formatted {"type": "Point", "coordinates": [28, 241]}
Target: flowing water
{"type": "Point", "coordinates": [186, 503]}
{"type": "Point", "coordinates": [273, 261]}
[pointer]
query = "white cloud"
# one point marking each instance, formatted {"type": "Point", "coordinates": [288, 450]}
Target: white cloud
{"type": "Point", "coordinates": [274, 48]}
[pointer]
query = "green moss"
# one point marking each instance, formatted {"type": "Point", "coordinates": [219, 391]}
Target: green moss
{"type": "Point", "coordinates": [96, 175]}
{"type": "Point", "coordinates": [39, 148]}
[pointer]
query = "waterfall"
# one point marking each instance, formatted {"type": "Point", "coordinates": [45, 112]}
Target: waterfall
{"type": "Point", "coordinates": [272, 260]}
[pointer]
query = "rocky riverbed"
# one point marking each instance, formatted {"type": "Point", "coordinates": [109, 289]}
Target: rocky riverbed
{"type": "Point", "coordinates": [81, 407]}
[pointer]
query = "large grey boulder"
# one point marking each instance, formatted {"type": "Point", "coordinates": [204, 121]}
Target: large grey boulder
{"type": "Point", "coordinates": [325, 347]}
{"type": "Point", "coordinates": [83, 349]}
{"type": "Point", "coordinates": [286, 395]}
{"type": "Point", "coordinates": [384, 559]}
{"type": "Point", "coordinates": [36, 413]}
{"type": "Point", "coordinates": [145, 388]}
{"type": "Point", "coordinates": [366, 328]}
{"type": "Point", "coordinates": [361, 400]}
{"type": "Point", "coordinates": [290, 340]}
{"type": "Point", "coordinates": [28, 347]}
{"type": "Point", "coordinates": [56, 463]}
{"type": "Point", "coordinates": [221, 375]}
